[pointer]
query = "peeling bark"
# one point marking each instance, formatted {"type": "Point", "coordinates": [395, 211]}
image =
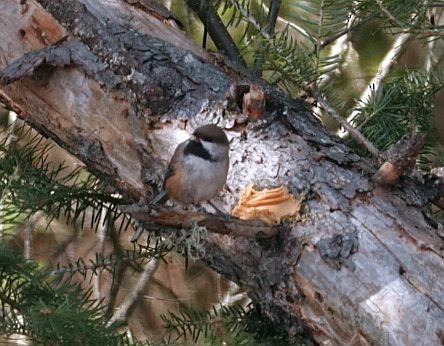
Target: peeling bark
{"type": "Point", "coordinates": [120, 98]}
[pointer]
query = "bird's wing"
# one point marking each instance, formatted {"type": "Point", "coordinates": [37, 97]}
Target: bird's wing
{"type": "Point", "coordinates": [162, 196]}
{"type": "Point", "coordinates": [169, 173]}
{"type": "Point", "coordinates": [175, 159]}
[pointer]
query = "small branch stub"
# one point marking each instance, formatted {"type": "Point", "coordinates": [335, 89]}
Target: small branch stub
{"type": "Point", "coordinates": [400, 158]}
{"type": "Point", "coordinates": [253, 102]}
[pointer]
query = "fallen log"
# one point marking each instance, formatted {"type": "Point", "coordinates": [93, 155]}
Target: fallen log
{"type": "Point", "coordinates": [362, 265]}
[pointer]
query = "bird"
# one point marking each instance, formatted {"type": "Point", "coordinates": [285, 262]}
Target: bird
{"type": "Point", "coordinates": [198, 168]}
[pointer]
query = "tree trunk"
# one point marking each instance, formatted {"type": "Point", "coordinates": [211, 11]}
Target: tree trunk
{"type": "Point", "coordinates": [363, 265]}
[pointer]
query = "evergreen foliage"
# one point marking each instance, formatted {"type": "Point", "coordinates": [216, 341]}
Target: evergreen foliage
{"type": "Point", "coordinates": [403, 105]}
{"type": "Point", "coordinates": [298, 59]}
{"type": "Point", "coordinates": [285, 61]}
{"type": "Point", "coordinates": [32, 304]}
{"type": "Point", "coordinates": [399, 15]}
{"type": "Point", "coordinates": [136, 257]}
{"type": "Point", "coordinates": [45, 304]}
{"type": "Point", "coordinates": [29, 184]}
{"type": "Point", "coordinates": [230, 325]}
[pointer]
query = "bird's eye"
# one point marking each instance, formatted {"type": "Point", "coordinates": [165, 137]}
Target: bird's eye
{"type": "Point", "coordinates": [206, 139]}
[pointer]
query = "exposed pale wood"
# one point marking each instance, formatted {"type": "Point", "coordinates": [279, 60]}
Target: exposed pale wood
{"type": "Point", "coordinates": [388, 292]}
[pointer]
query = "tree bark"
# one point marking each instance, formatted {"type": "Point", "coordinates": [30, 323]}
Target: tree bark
{"type": "Point", "coordinates": [362, 265]}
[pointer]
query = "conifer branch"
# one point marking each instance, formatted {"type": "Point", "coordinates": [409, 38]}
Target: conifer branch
{"type": "Point", "coordinates": [32, 304]}
{"type": "Point", "coordinates": [375, 83]}
{"type": "Point", "coordinates": [158, 250]}
{"type": "Point", "coordinates": [392, 18]}
{"type": "Point", "coordinates": [104, 263]}
{"type": "Point", "coordinates": [251, 19]}
{"type": "Point", "coordinates": [213, 324]}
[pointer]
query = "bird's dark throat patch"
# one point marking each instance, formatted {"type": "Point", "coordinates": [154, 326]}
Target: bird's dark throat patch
{"type": "Point", "coordinates": [197, 149]}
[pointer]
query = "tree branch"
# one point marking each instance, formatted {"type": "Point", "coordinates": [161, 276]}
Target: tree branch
{"type": "Point", "coordinates": [256, 25]}
{"type": "Point", "coordinates": [217, 30]}
{"type": "Point", "coordinates": [213, 223]}
{"type": "Point", "coordinates": [273, 13]}
{"type": "Point", "coordinates": [354, 133]}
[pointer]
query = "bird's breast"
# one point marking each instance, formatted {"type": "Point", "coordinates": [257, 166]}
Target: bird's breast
{"type": "Point", "coordinates": [203, 178]}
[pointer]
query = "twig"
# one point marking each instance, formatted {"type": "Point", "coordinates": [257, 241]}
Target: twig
{"type": "Point", "coordinates": [388, 14]}
{"type": "Point", "coordinates": [187, 219]}
{"type": "Point", "coordinates": [354, 133]}
{"type": "Point", "coordinates": [126, 307]}
{"type": "Point", "coordinates": [428, 33]}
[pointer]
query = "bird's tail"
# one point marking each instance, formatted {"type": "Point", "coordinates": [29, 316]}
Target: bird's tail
{"type": "Point", "coordinates": [161, 198]}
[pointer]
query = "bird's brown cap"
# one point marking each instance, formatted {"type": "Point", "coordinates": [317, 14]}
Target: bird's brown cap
{"type": "Point", "coordinates": [211, 133]}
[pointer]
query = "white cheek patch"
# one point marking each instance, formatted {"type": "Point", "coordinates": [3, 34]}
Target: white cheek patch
{"type": "Point", "coordinates": [217, 151]}
{"type": "Point", "coordinates": [207, 146]}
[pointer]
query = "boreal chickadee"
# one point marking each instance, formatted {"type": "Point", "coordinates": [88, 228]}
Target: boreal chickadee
{"type": "Point", "coordinates": [198, 168]}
